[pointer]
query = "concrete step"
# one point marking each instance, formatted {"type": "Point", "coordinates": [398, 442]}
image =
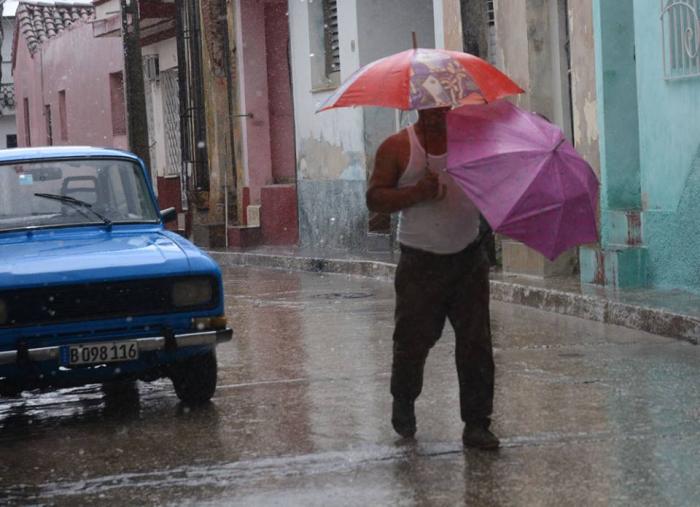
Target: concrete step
{"type": "Point", "coordinates": [243, 236]}
{"type": "Point", "coordinates": [278, 214]}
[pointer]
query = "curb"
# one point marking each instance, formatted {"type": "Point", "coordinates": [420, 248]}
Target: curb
{"type": "Point", "coordinates": [642, 318]}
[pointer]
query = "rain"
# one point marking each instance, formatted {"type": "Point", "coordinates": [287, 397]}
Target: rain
{"type": "Point", "coordinates": [349, 252]}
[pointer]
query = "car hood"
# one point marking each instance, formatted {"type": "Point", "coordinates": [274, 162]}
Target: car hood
{"type": "Point", "coordinates": [48, 257]}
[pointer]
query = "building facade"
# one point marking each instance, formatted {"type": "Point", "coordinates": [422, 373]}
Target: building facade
{"type": "Point", "coordinates": [68, 85]}
{"type": "Point", "coordinates": [8, 103]}
{"type": "Point", "coordinates": [335, 149]}
{"type": "Point", "coordinates": [648, 84]}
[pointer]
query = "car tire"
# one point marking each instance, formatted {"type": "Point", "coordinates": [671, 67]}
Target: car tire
{"type": "Point", "coordinates": [118, 388]}
{"type": "Point", "coordinates": [194, 378]}
{"type": "Point", "coordinates": [8, 390]}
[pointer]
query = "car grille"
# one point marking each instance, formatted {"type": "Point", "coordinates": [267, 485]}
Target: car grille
{"type": "Point", "coordinates": [66, 303]}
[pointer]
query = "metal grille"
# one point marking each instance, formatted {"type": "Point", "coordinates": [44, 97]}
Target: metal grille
{"type": "Point", "coordinates": [93, 301]}
{"type": "Point", "coordinates": [331, 37]}
{"type": "Point", "coordinates": [7, 95]}
{"type": "Point", "coordinates": [49, 125]}
{"type": "Point", "coordinates": [171, 120]}
{"type": "Point", "coordinates": [680, 29]}
{"type": "Point", "coordinates": [191, 88]}
{"type": "Point", "coordinates": [491, 12]}
{"type": "Point", "coordinates": [150, 119]}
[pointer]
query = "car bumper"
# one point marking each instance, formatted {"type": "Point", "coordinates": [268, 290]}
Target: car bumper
{"type": "Point", "coordinates": [146, 344]}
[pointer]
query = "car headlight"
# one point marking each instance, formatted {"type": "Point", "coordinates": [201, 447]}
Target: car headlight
{"type": "Point", "coordinates": [193, 292]}
{"type": "Point", "coordinates": [3, 312]}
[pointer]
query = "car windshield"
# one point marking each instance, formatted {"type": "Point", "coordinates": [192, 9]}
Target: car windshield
{"type": "Point", "coordinates": [73, 192]}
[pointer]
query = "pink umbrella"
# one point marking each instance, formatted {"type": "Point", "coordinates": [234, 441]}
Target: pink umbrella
{"type": "Point", "coordinates": [523, 175]}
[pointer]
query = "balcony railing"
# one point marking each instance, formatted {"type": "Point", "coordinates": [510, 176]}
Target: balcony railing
{"type": "Point", "coordinates": [7, 96]}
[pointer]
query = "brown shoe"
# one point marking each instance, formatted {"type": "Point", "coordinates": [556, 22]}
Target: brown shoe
{"type": "Point", "coordinates": [478, 437]}
{"type": "Point", "coordinates": [403, 418]}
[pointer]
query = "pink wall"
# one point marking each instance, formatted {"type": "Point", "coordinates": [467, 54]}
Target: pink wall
{"type": "Point", "coordinates": [280, 93]}
{"type": "Point", "coordinates": [254, 73]}
{"type": "Point", "coordinates": [265, 71]}
{"type": "Point", "coordinates": [80, 64]}
{"type": "Point", "coordinates": [28, 86]}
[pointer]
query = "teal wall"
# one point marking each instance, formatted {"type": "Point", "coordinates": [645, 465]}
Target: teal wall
{"type": "Point", "coordinates": [669, 155]}
{"type": "Point", "coordinates": [617, 104]}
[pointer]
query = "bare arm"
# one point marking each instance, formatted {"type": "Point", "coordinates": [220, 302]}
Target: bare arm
{"type": "Point", "coordinates": [383, 196]}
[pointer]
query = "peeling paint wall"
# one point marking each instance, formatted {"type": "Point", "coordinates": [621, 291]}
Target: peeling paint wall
{"type": "Point", "coordinates": [583, 87]}
{"type": "Point", "coordinates": [335, 149]}
{"type": "Point", "coordinates": [512, 50]}
{"type": "Point", "coordinates": [452, 25]}
{"type": "Point", "coordinates": [325, 141]}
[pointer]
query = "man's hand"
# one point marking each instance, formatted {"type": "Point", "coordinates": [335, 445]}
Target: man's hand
{"type": "Point", "coordinates": [429, 187]}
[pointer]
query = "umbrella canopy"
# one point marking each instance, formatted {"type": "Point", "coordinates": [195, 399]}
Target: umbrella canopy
{"type": "Point", "coordinates": [524, 176]}
{"type": "Point", "coordinates": [423, 79]}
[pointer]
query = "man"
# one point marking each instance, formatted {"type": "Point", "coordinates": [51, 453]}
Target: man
{"type": "Point", "coordinates": [442, 274]}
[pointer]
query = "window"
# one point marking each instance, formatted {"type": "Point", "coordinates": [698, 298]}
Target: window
{"type": "Point", "coordinates": [680, 25]}
{"type": "Point", "coordinates": [27, 124]}
{"type": "Point", "coordinates": [324, 44]}
{"type": "Point", "coordinates": [11, 140]}
{"type": "Point", "coordinates": [490, 12]}
{"type": "Point", "coordinates": [330, 35]}
{"type": "Point", "coordinates": [49, 126]}
{"type": "Point", "coordinates": [116, 90]}
{"type": "Point", "coordinates": [62, 115]}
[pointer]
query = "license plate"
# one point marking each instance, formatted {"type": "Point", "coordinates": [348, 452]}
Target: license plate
{"type": "Point", "coordinates": [96, 353]}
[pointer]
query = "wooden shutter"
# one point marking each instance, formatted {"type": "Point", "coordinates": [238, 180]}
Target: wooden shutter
{"type": "Point", "coordinates": [330, 31]}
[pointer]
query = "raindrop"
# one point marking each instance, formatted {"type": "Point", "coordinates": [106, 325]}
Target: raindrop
{"type": "Point", "coordinates": [51, 299]}
{"type": "Point", "coordinates": [129, 319]}
{"type": "Point", "coordinates": [201, 144]}
{"type": "Point", "coordinates": [117, 371]}
{"type": "Point", "coordinates": [311, 55]}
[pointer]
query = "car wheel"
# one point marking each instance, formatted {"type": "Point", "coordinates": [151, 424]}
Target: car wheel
{"type": "Point", "coordinates": [194, 378]}
{"type": "Point", "coordinates": [8, 390]}
{"type": "Point", "coordinates": [119, 388]}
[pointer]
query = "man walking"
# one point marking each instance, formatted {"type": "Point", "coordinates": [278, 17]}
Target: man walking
{"type": "Point", "coordinates": [442, 274]}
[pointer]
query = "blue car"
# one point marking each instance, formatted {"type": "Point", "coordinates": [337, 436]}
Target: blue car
{"type": "Point", "coordinates": [93, 288]}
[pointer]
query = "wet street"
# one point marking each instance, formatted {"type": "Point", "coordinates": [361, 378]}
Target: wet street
{"type": "Point", "coordinates": [588, 414]}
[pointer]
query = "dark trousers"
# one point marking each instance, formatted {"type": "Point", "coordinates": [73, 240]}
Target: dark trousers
{"type": "Point", "coordinates": [429, 289]}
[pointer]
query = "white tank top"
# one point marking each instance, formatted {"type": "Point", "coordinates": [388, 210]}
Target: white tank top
{"type": "Point", "coordinates": [442, 227]}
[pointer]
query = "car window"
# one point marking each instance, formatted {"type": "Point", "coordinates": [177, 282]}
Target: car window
{"type": "Point", "coordinates": [31, 193]}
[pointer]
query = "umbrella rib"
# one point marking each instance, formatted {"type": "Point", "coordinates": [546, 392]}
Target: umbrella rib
{"type": "Point", "coordinates": [522, 194]}
{"type": "Point", "coordinates": [561, 215]}
{"type": "Point", "coordinates": [534, 213]}
{"type": "Point", "coordinates": [497, 156]}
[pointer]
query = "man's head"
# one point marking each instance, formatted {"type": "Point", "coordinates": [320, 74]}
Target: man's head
{"type": "Point", "coordinates": [434, 118]}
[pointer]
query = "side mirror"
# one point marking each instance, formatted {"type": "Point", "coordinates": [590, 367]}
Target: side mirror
{"type": "Point", "coordinates": [168, 215]}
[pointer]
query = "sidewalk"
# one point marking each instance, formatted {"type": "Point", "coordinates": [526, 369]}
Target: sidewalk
{"type": "Point", "coordinates": [675, 314]}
